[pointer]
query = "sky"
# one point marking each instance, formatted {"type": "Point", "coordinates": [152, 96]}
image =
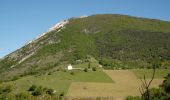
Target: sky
{"type": "Point", "coordinates": [24, 20]}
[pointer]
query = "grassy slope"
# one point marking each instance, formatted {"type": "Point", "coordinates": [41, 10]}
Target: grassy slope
{"type": "Point", "coordinates": [160, 73]}
{"type": "Point", "coordinates": [60, 81]}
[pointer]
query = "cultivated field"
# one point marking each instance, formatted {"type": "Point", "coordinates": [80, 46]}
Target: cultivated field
{"type": "Point", "coordinates": [125, 83]}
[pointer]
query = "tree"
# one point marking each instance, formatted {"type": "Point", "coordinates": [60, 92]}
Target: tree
{"type": "Point", "coordinates": [144, 89]}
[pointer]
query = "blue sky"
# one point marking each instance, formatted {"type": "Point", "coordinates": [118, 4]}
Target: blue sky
{"type": "Point", "coordinates": [23, 20]}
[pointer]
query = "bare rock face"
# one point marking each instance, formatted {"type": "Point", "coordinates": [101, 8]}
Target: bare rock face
{"type": "Point", "coordinates": [32, 46]}
{"type": "Point", "coordinates": [58, 25]}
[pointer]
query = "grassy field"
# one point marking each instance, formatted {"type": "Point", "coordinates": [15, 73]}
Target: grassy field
{"type": "Point", "coordinates": [108, 83]}
{"type": "Point", "coordinates": [125, 83]}
{"type": "Point", "coordinates": [60, 81]}
{"type": "Point", "coordinates": [160, 73]}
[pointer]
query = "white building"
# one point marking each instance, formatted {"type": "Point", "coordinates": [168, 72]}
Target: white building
{"type": "Point", "coordinates": [70, 67]}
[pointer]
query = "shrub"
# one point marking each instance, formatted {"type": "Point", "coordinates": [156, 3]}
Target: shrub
{"type": "Point", "coordinates": [166, 84]}
{"type": "Point", "coordinates": [72, 73]}
{"type": "Point", "coordinates": [89, 65]}
{"type": "Point", "coordinates": [85, 70]}
{"type": "Point", "coordinates": [98, 98]}
{"type": "Point", "coordinates": [62, 94]}
{"type": "Point", "coordinates": [49, 73]}
{"type": "Point", "coordinates": [156, 94]}
{"type": "Point", "coordinates": [50, 91]}
{"type": "Point", "coordinates": [106, 62]}
{"type": "Point", "coordinates": [133, 98]}
{"type": "Point", "coordinates": [94, 69]}
{"type": "Point", "coordinates": [22, 96]}
{"type": "Point", "coordinates": [38, 91]}
{"type": "Point", "coordinates": [7, 88]}
{"type": "Point", "coordinates": [60, 69]}
{"type": "Point", "coordinates": [32, 88]}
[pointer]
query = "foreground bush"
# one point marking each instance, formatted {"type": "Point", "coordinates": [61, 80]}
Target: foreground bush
{"type": "Point", "coordinates": [133, 98]}
{"type": "Point", "coordinates": [161, 93]}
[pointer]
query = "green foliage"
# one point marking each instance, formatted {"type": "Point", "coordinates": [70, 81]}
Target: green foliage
{"type": "Point", "coordinates": [160, 73]}
{"type": "Point", "coordinates": [37, 91]}
{"type": "Point", "coordinates": [6, 88]}
{"type": "Point", "coordinates": [85, 69]}
{"type": "Point", "coordinates": [98, 98]}
{"type": "Point", "coordinates": [89, 65]}
{"type": "Point", "coordinates": [50, 91]}
{"type": "Point", "coordinates": [72, 73]}
{"type": "Point", "coordinates": [32, 88]}
{"type": "Point", "coordinates": [23, 96]}
{"type": "Point", "coordinates": [34, 93]}
{"type": "Point", "coordinates": [133, 98]}
{"type": "Point", "coordinates": [62, 94]}
{"type": "Point", "coordinates": [49, 73]}
{"type": "Point", "coordinates": [106, 62]}
{"type": "Point", "coordinates": [163, 92]}
{"type": "Point", "coordinates": [166, 84]}
{"type": "Point", "coordinates": [94, 69]}
{"type": "Point", "coordinates": [157, 94]}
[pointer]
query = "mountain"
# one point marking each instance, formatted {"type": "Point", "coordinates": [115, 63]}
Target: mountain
{"type": "Point", "coordinates": [114, 40]}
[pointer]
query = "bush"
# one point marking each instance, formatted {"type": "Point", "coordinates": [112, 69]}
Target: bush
{"type": "Point", "coordinates": [72, 73]}
{"type": "Point", "coordinates": [106, 62]}
{"type": "Point", "coordinates": [89, 65]}
{"type": "Point", "coordinates": [166, 84]}
{"type": "Point", "coordinates": [60, 69]}
{"type": "Point", "coordinates": [32, 88]}
{"type": "Point", "coordinates": [94, 69]}
{"type": "Point", "coordinates": [133, 98]}
{"type": "Point", "coordinates": [62, 94]}
{"type": "Point", "coordinates": [49, 73]}
{"type": "Point", "coordinates": [23, 96]}
{"type": "Point", "coordinates": [98, 98]}
{"type": "Point", "coordinates": [38, 91]}
{"type": "Point", "coordinates": [7, 88]}
{"type": "Point", "coordinates": [50, 91]}
{"type": "Point", "coordinates": [85, 70]}
{"type": "Point", "coordinates": [156, 94]}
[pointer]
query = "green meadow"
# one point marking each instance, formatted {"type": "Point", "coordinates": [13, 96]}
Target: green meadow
{"type": "Point", "coordinates": [60, 81]}
{"type": "Point", "coordinates": [159, 73]}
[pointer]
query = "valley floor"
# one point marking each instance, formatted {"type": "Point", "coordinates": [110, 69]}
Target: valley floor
{"type": "Point", "coordinates": [125, 83]}
{"type": "Point", "coordinates": [112, 84]}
